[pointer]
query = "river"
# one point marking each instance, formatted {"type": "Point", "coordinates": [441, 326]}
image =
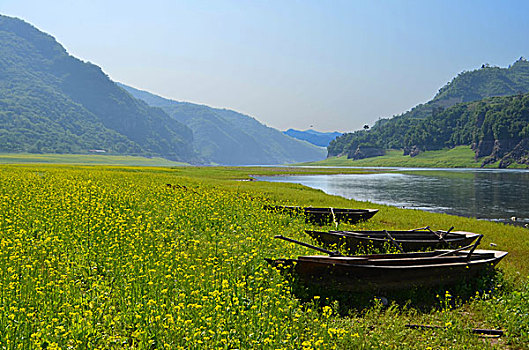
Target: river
{"type": "Point", "coordinates": [491, 194]}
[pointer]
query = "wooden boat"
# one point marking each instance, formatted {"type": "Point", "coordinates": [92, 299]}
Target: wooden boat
{"type": "Point", "coordinates": [322, 216]}
{"type": "Point", "coordinates": [383, 272]}
{"type": "Point", "coordinates": [407, 241]}
{"type": "Point", "coordinates": [386, 272]}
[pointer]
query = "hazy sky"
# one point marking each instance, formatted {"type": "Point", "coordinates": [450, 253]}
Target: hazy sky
{"type": "Point", "coordinates": [336, 65]}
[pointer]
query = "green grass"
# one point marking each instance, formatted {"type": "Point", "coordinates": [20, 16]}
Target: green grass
{"type": "Point", "coordinates": [245, 173]}
{"type": "Point", "coordinates": [83, 159]}
{"type": "Point", "coordinates": [458, 157]}
{"type": "Point", "coordinates": [113, 257]}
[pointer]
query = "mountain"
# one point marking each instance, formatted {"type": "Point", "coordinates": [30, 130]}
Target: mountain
{"type": "Point", "coordinates": [497, 128]}
{"type": "Point", "coordinates": [227, 137]}
{"type": "Point", "coordinates": [317, 138]}
{"type": "Point", "coordinates": [463, 112]}
{"type": "Point", "coordinates": [53, 102]}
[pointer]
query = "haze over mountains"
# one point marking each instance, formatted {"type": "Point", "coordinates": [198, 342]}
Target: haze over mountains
{"type": "Point", "coordinates": [228, 137]}
{"type": "Point", "coordinates": [487, 108]}
{"type": "Point", "coordinates": [51, 102]}
{"type": "Point", "coordinates": [317, 138]}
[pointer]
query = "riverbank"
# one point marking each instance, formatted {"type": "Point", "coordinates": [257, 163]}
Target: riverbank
{"type": "Point", "coordinates": [487, 194]}
{"type": "Point", "coordinates": [175, 256]}
{"type": "Point", "coordinates": [457, 157]}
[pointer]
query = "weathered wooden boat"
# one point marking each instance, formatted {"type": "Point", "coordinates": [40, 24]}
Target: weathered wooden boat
{"type": "Point", "coordinates": [405, 241]}
{"type": "Point", "coordinates": [322, 216]}
{"type": "Point", "coordinates": [388, 272]}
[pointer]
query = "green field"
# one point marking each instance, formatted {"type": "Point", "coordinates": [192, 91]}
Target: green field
{"type": "Point", "coordinates": [457, 157]}
{"type": "Point", "coordinates": [83, 159]}
{"type": "Point", "coordinates": [169, 258]}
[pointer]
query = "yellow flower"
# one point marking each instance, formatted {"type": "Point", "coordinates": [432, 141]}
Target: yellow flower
{"type": "Point", "coordinates": [327, 311]}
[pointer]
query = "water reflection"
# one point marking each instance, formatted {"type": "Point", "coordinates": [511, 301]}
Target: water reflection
{"type": "Point", "coordinates": [493, 195]}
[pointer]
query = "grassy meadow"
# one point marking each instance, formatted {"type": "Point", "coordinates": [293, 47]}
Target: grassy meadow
{"type": "Point", "coordinates": [84, 159]}
{"type": "Point", "coordinates": [169, 258]}
{"type": "Point", "coordinates": [457, 157]}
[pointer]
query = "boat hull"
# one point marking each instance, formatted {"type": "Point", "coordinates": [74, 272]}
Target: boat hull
{"type": "Point", "coordinates": [323, 216]}
{"type": "Point", "coordinates": [407, 240]}
{"type": "Point", "coordinates": [383, 273]}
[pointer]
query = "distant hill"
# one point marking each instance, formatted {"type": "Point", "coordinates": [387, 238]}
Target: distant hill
{"type": "Point", "coordinates": [317, 138]}
{"type": "Point", "coordinates": [55, 103]}
{"type": "Point", "coordinates": [462, 113]}
{"type": "Point", "coordinates": [227, 137]}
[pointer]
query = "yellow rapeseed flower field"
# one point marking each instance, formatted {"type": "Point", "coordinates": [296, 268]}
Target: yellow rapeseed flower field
{"type": "Point", "coordinates": [95, 258]}
{"type": "Point", "coordinates": [124, 258]}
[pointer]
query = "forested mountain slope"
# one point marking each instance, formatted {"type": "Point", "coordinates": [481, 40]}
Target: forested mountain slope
{"type": "Point", "coordinates": [495, 127]}
{"type": "Point", "coordinates": [53, 102]}
{"type": "Point", "coordinates": [224, 136]}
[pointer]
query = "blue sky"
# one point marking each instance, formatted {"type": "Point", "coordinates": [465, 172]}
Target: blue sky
{"type": "Point", "coordinates": [336, 65]}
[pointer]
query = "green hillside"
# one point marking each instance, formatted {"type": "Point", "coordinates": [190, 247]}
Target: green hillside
{"type": "Point", "coordinates": [52, 102]}
{"type": "Point", "coordinates": [457, 157]}
{"type": "Point", "coordinates": [496, 128]}
{"type": "Point", "coordinates": [227, 137]}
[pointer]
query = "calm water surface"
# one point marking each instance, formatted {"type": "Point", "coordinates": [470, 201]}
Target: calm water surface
{"type": "Point", "coordinates": [481, 193]}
